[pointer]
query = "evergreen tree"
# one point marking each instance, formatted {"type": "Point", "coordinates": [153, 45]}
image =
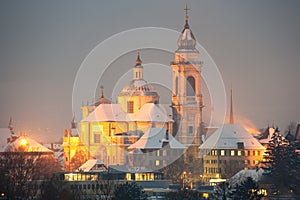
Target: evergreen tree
{"type": "Point", "coordinates": [281, 164]}
{"type": "Point", "coordinates": [247, 190]}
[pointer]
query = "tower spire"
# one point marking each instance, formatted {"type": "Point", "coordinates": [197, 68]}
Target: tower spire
{"type": "Point", "coordinates": [231, 119]}
{"type": "Point", "coordinates": [73, 123]}
{"type": "Point", "coordinates": [186, 13]}
{"type": "Point", "coordinates": [102, 91]}
{"type": "Point", "coordinates": [138, 68]}
{"type": "Point", "coordinates": [138, 59]}
{"type": "Point", "coordinates": [186, 16]}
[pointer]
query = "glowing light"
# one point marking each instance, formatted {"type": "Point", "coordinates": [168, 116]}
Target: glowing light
{"type": "Point", "coordinates": [248, 125]}
{"type": "Point", "coordinates": [23, 142]}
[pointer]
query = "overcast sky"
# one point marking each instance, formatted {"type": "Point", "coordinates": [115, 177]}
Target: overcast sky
{"type": "Point", "coordinates": [255, 45]}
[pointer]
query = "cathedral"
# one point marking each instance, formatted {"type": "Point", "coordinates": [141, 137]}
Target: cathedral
{"type": "Point", "coordinates": [139, 131]}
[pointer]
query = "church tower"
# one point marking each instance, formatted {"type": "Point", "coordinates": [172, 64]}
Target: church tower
{"type": "Point", "coordinates": [187, 93]}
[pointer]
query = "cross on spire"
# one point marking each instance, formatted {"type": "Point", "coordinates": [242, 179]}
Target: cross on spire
{"type": "Point", "coordinates": [186, 12]}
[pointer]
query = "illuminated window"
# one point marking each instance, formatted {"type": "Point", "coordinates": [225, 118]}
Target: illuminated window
{"type": "Point", "coordinates": [157, 153]}
{"type": "Point", "coordinates": [205, 195]}
{"type": "Point", "coordinates": [130, 106]}
{"type": "Point", "coordinates": [96, 138]}
{"type": "Point", "coordinates": [214, 152]}
{"type": "Point", "coordinates": [157, 163]}
{"type": "Point", "coordinates": [239, 152]}
{"type": "Point", "coordinates": [223, 152]}
{"type": "Point", "coordinates": [232, 152]}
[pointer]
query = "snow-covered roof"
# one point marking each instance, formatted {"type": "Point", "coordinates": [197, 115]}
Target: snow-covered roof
{"type": "Point", "coordinates": [227, 137]}
{"type": "Point", "coordinates": [106, 112]}
{"type": "Point", "coordinates": [92, 165]}
{"type": "Point", "coordinates": [4, 135]}
{"type": "Point", "coordinates": [113, 112]}
{"type": "Point", "coordinates": [154, 139]}
{"type": "Point", "coordinates": [151, 112]}
{"type": "Point", "coordinates": [267, 135]}
{"type": "Point", "coordinates": [243, 174]}
{"type": "Point", "coordinates": [28, 145]}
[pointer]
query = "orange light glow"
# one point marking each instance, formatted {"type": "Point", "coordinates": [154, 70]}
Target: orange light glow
{"type": "Point", "coordinates": [23, 142]}
{"type": "Point", "coordinates": [248, 125]}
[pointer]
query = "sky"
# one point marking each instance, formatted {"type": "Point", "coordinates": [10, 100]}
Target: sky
{"type": "Point", "coordinates": [255, 45]}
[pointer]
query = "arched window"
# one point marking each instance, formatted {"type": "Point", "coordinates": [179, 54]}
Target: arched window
{"type": "Point", "coordinates": [190, 86]}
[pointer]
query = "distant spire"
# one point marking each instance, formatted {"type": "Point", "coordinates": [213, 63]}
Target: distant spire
{"type": "Point", "coordinates": [73, 123]}
{"type": "Point", "coordinates": [231, 120]}
{"type": "Point", "coordinates": [138, 61]}
{"type": "Point", "coordinates": [102, 93]}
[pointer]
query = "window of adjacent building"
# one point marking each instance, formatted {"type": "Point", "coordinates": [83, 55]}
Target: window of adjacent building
{"type": "Point", "coordinates": [248, 153]}
{"type": "Point", "coordinates": [157, 153]}
{"type": "Point", "coordinates": [96, 138]}
{"type": "Point", "coordinates": [130, 106]}
{"type": "Point", "coordinates": [164, 163]}
{"type": "Point", "coordinates": [190, 86]}
{"type": "Point", "coordinates": [164, 152]}
{"type": "Point", "coordinates": [157, 163]}
{"type": "Point", "coordinates": [190, 130]}
{"type": "Point", "coordinates": [232, 152]}
{"type": "Point", "coordinates": [214, 152]}
{"type": "Point", "coordinates": [223, 152]}
{"type": "Point", "coordinates": [239, 153]}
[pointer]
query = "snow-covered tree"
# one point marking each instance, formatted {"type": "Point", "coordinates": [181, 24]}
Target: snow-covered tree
{"type": "Point", "coordinates": [281, 164]}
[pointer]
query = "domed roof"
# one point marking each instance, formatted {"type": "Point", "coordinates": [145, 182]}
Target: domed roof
{"type": "Point", "coordinates": [138, 88]}
{"type": "Point", "coordinates": [186, 39]}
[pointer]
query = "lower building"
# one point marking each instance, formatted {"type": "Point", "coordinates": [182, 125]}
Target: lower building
{"type": "Point", "coordinates": [230, 149]}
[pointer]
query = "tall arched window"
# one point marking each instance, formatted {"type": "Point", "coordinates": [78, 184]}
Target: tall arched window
{"type": "Point", "coordinates": [190, 86]}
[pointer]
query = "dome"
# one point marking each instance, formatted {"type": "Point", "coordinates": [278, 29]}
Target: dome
{"type": "Point", "coordinates": [186, 39]}
{"type": "Point", "coordinates": [138, 88]}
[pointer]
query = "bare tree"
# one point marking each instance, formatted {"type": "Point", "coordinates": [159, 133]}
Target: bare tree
{"type": "Point", "coordinates": [21, 170]}
{"type": "Point", "coordinates": [78, 159]}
